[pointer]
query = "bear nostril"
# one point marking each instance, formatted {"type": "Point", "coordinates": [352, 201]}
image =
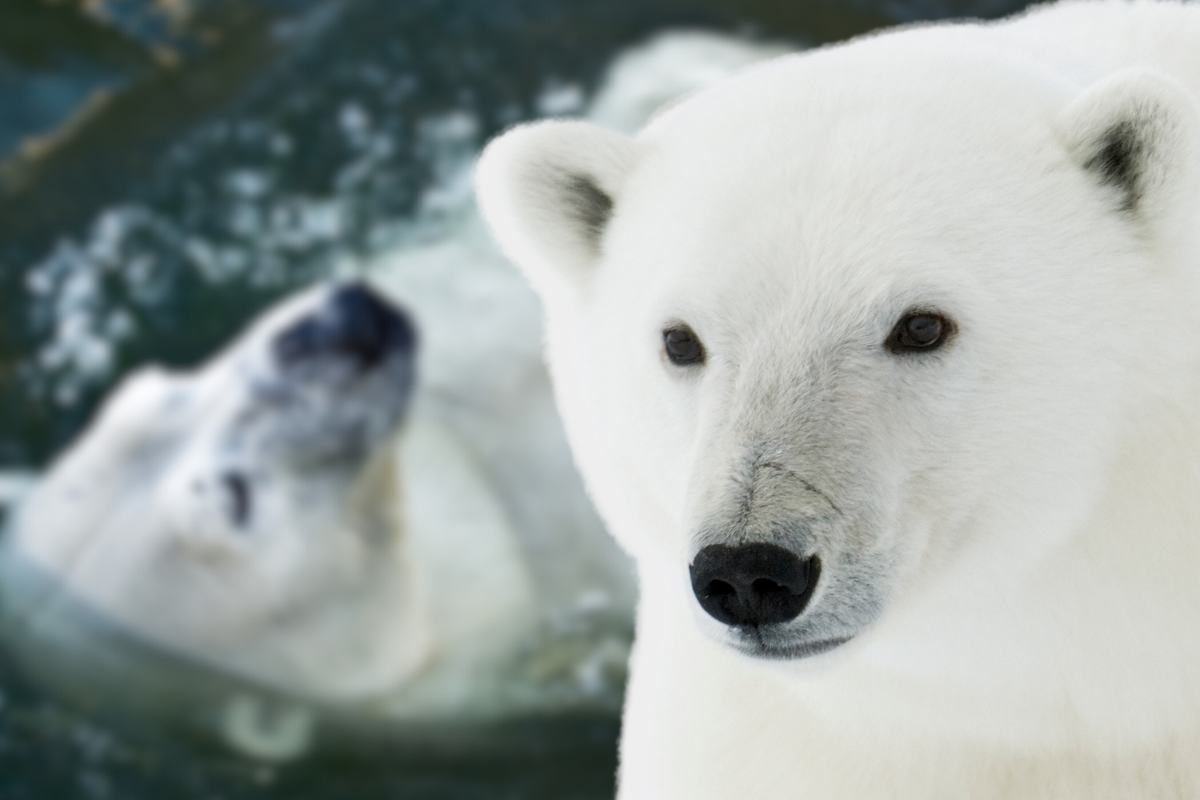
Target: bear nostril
{"type": "Point", "coordinates": [719, 589]}
{"type": "Point", "coordinates": [754, 584]}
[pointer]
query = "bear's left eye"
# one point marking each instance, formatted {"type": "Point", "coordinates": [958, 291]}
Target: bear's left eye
{"type": "Point", "coordinates": [919, 331]}
{"type": "Point", "coordinates": [683, 346]}
{"type": "Point", "coordinates": [239, 497]}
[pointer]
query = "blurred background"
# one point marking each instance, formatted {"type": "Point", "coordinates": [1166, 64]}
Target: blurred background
{"type": "Point", "coordinates": [169, 169]}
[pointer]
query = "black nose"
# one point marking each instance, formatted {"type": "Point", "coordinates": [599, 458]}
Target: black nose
{"type": "Point", "coordinates": [753, 584]}
{"type": "Point", "coordinates": [354, 321]}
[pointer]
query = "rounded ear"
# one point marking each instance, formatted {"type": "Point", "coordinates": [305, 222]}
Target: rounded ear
{"type": "Point", "coordinates": [1138, 134]}
{"type": "Point", "coordinates": [547, 191]}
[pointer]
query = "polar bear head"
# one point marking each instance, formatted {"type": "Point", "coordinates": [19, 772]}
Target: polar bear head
{"type": "Point", "coordinates": [245, 515]}
{"type": "Point", "coordinates": [852, 315]}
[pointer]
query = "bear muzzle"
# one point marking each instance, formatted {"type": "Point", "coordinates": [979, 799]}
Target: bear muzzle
{"type": "Point", "coordinates": [750, 585]}
{"type": "Point", "coordinates": [354, 323]}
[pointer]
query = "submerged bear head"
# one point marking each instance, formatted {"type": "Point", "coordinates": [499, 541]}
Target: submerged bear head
{"type": "Point", "coordinates": [849, 316]}
{"type": "Point", "coordinates": [244, 515]}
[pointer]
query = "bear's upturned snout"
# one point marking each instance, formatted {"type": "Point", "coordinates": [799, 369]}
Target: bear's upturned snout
{"type": "Point", "coordinates": [753, 584]}
{"type": "Point", "coordinates": [354, 322]}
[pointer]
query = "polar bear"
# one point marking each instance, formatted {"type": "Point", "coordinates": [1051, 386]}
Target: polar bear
{"type": "Point", "coordinates": [206, 511]}
{"type": "Point", "coordinates": [882, 362]}
{"type": "Point", "coordinates": [294, 533]}
{"type": "Point", "coordinates": [283, 516]}
{"type": "Point", "coordinates": [302, 525]}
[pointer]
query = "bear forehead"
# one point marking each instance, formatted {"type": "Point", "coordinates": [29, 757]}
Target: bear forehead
{"type": "Point", "coordinates": [882, 110]}
{"type": "Point", "coordinates": [870, 156]}
{"type": "Point", "coordinates": [930, 71]}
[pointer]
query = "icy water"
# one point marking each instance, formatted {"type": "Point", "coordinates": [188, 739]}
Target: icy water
{"type": "Point", "coordinates": [162, 180]}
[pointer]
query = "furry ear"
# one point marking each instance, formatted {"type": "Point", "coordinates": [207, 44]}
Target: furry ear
{"type": "Point", "coordinates": [1137, 134]}
{"type": "Point", "coordinates": [547, 191]}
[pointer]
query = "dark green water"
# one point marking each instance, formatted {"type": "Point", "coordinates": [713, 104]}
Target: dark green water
{"type": "Point", "coordinates": [229, 160]}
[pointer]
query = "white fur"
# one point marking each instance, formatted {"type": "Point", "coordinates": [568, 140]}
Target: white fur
{"type": "Point", "coordinates": [1013, 540]}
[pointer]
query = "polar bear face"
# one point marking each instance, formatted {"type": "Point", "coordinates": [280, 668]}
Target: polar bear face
{"type": "Point", "coordinates": [827, 327]}
{"type": "Point", "coordinates": [245, 515]}
{"type": "Point", "coordinates": [282, 425]}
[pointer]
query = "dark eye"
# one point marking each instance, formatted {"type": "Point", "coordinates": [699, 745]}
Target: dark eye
{"type": "Point", "coordinates": [683, 346]}
{"type": "Point", "coordinates": [919, 331]}
{"type": "Point", "coordinates": [237, 487]}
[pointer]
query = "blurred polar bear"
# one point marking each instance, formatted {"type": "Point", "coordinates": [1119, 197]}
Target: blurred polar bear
{"type": "Point", "coordinates": [367, 496]}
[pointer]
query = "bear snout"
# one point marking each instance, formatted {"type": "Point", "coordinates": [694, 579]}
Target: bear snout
{"type": "Point", "coordinates": [753, 584]}
{"type": "Point", "coordinates": [354, 322]}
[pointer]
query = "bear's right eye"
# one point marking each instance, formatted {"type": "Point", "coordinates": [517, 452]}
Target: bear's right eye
{"type": "Point", "coordinates": [919, 331]}
{"type": "Point", "coordinates": [683, 346]}
{"type": "Point", "coordinates": [237, 489]}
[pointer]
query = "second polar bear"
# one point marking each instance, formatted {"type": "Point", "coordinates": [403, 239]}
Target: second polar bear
{"type": "Point", "coordinates": [882, 361]}
{"type": "Point", "coordinates": [311, 521]}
